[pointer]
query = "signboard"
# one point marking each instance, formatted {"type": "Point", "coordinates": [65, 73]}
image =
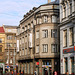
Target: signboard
{"type": "Point", "coordinates": [46, 66]}
{"type": "Point", "coordinates": [47, 63]}
{"type": "Point", "coordinates": [37, 63]}
{"type": "Point", "coordinates": [7, 66]}
{"type": "Point", "coordinates": [69, 50]}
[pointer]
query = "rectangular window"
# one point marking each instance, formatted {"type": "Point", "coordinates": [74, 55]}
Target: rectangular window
{"type": "Point", "coordinates": [45, 47]}
{"type": "Point", "coordinates": [72, 65]}
{"type": "Point", "coordinates": [66, 65]}
{"type": "Point", "coordinates": [0, 40]}
{"type": "Point", "coordinates": [64, 38]}
{"type": "Point", "coordinates": [70, 6]}
{"type": "Point", "coordinates": [10, 61]}
{"type": "Point", "coordinates": [0, 49]}
{"type": "Point", "coordinates": [20, 53]}
{"type": "Point", "coordinates": [31, 68]}
{"type": "Point", "coordinates": [54, 33]}
{"type": "Point", "coordinates": [9, 45]}
{"type": "Point", "coordinates": [7, 61]}
{"type": "Point", "coordinates": [10, 53]}
{"type": "Point", "coordinates": [45, 19]}
{"type": "Point", "coordinates": [54, 48]}
{"type": "Point", "coordinates": [37, 49]}
{"type": "Point", "coordinates": [9, 37]}
{"type": "Point", "coordinates": [45, 33]}
{"type": "Point", "coordinates": [25, 68]}
{"type": "Point", "coordinates": [37, 34]}
{"type": "Point", "coordinates": [23, 51]}
{"type": "Point", "coordinates": [28, 68]}
{"type": "Point", "coordinates": [71, 37]}
{"type": "Point", "coordinates": [64, 12]}
{"type": "Point", "coordinates": [54, 19]}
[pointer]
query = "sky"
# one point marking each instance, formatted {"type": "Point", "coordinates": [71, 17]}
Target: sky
{"type": "Point", "coordinates": [12, 11]}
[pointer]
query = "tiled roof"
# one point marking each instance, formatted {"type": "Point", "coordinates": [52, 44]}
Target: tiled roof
{"type": "Point", "coordinates": [2, 30]}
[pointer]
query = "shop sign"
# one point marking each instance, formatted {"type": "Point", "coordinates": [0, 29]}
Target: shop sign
{"type": "Point", "coordinates": [46, 66]}
{"type": "Point", "coordinates": [69, 50]}
{"type": "Point", "coordinates": [47, 63]}
{"type": "Point", "coordinates": [37, 63]}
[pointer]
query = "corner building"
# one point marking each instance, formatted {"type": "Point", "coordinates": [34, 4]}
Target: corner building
{"type": "Point", "coordinates": [67, 36]}
{"type": "Point", "coordinates": [38, 38]}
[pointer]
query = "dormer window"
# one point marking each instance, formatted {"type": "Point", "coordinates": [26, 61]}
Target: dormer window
{"type": "Point", "coordinates": [45, 19]}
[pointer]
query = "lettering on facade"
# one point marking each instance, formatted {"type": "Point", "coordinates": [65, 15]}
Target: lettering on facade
{"type": "Point", "coordinates": [69, 50]}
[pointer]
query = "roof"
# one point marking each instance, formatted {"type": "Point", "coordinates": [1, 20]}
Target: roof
{"type": "Point", "coordinates": [7, 26]}
{"type": "Point", "coordinates": [2, 30]}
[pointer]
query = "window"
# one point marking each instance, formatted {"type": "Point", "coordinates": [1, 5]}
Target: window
{"type": "Point", "coordinates": [20, 53]}
{"type": "Point", "coordinates": [64, 38]}
{"type": "Point", "coordinates": [32, 24]}
{"type": "Point", "coordinates": [23, 51]}
{"type": "Point", "coordinates": [45, 47]}
{"type": "Point", "coordinates": [45, 33]}
{"type": "Point", "coordinates": [0, 40]}
{"type": "Point", "coordinates": [7, 53]}
{"type": "Point", "coordinates": [31, 68]}
{"type": "Point", "coordinates": [71, 39]}
{"type": "Point", "coordinates": [54, 48]}
{"type": "Point", "coordinates": [28, 68]}
{"type": "Point", "coordinates": [45, 19]}
{"type": "Point", "coordinates": [20, 40]}
{"type": "Point", "coordinates": [10, 53]}
{"type": "Point", "coordinates": [7, 61]}
{"type": "Point", "coordinates": [9, 45]}
{"type": "Point", "coordinates": [37, 34]}
{"type": "Point", "coordinates": [10, 61]}
{"type": "Point", "coordinates": [26, 27]}
{"type": "Point", "coordinates": [29, 26]}
{"type": "Point", "coordinates": [54, 33]}
{"type": "Point", "coordinates": [15, 37]}
{"type": "Point", "coordinates": [37, 49]}
{"type": "Point", "coordinates": [0, 49]}
{"type": "Point", "coordinates": [25, 68]}
{"type": "Point", "coordinates": [70, 6]}
{"type": "Point", "coordinates": [15, 45]}
{"type": "Point", "coordinates": [23, 40]}
{"type": "Point", "coordinates": [54, 19]}
{"type": "Point", "coordinates": [38, 20]}
{"type": "Point", "coordinates": [66, 65]}
{"type": "Point", "coordinates": [9, 37]}
{"type": "Point", "coordinates": [64, 12]}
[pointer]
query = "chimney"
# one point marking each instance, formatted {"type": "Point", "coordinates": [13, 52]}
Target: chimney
{"type": "Point", "coordinates": [49, 1]}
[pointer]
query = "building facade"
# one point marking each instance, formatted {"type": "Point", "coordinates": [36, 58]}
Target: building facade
{"type": "Point", "coordinates": [38, 40]}
{"type": "Point", "coordinates": [2, 48]}
{"type": "Point", "coordinates": [67, 36]}
{"type": "Point", "coordinates": [10, 47]}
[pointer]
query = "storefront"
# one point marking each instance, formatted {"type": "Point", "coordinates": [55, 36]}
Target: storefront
{"type": "Point", "coordinates": [68, 65]}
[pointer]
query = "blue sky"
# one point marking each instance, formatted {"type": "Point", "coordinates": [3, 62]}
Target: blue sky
{"type": "Point", "coordinates": [12, 11]}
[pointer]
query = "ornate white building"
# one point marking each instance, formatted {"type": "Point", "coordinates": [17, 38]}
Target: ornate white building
{"type": "Point", "coordinates": [67, 36]}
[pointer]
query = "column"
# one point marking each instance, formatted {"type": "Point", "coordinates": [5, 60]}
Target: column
{"type": "Point", "coordinates": [40, 66]}
{"type": "Point", "coordinates": [52, 65]}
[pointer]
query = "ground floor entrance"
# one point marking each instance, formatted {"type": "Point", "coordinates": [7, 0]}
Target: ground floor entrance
{"type": "Point", "coordinates": [39, 66]}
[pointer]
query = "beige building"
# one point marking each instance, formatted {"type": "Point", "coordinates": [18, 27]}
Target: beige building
{"type": "Point", "coordinates": [10, 46]}
{"type": "Point", "coordinates": [37, 40]}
